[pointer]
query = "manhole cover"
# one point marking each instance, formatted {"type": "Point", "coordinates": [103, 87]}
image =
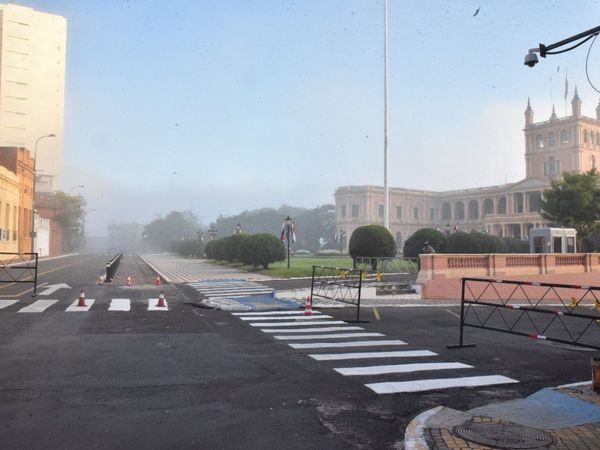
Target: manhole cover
{"type": "Point", "coordinates": [503, 435]}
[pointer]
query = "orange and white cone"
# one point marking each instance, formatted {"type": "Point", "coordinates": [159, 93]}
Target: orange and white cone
{"type": "Point", "coordinates": [308, 307]}
{"type": "Point", "coordinates": [129, 280]}
{"type": "Point", "coordinates": [81, 299]}
{"type": "Point", "coordinates": [157, 280]}
{"type": "Point", "coordinates": [161, 301]}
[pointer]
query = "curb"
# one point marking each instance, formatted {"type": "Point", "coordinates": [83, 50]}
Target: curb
{"type": "Point", "coordinates": [413, 437]}
{"type": "Point", "coordinates": [167, 279]}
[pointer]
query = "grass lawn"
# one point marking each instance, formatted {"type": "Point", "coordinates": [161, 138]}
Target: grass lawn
{"type": "Point", "coordinates": [300, 266]}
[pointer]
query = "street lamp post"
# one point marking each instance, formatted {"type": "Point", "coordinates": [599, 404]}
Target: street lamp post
{"type": "Point", "coordinates": [51, 135]}
{"type": "Point", "coordinates": [288, 229]}
{"type": "Point", "coordinates": [342, 237]}
{"type": "Point", "coordinates": [212, 232]}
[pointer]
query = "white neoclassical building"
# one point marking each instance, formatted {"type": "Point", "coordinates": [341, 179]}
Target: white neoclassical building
{"type": "Point", "coordinates": [570, 143]}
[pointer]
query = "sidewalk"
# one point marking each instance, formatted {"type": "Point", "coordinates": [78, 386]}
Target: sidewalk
{"type": "Point", "coordinates": [566, 417]}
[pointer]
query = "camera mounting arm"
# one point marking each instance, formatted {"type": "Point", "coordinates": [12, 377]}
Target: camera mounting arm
{"type": "Point", "coordinates": [544, 50]}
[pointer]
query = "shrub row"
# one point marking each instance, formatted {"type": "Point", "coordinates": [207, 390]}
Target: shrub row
{"type": "Point", "coordinates": [254, 250]}
{"type": "Point", "coordinates": [187, 247]}
{"type": "Point", "coordinates": [461, 242]}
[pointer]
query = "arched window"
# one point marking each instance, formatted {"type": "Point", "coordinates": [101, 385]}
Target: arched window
{"type": "Point", "coordinates": [564, 137]}
{"type": "Point", "coordinates": [586, 136]}
{"type": "Point", "coordinates": [502, 205]}
{"type": "Point", "coordinates": [539, 141]}
{"type": "Point", "coordinates": [459, 211]}
{"type": "Point", "coordinates": [488, 206]}
{"type": "Point", "coordinates": [473, 210]}
{"type": "Point", "coordinates": [551, 140]}
{"type": "Point", "coordinates": [446, 211]}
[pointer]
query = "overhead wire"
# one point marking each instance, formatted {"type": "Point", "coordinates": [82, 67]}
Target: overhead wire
{"type": "Point", "coordinates": [587, 74]}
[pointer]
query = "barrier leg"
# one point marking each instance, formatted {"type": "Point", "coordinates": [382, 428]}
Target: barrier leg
{"type": "Point", "coordinates": [461, 343]}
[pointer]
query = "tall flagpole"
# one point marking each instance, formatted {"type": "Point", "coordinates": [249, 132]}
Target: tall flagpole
{"type": "Point", "coordinates": [386, 192]}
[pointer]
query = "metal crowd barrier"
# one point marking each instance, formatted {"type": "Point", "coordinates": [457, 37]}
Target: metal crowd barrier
{"type": "Point", "coordinates": [111, 268]}
{"type": "Point", "coordinates": [386, 265]}
{"type": "Point", "coordinates": [19, 268]}
{"type": "Point", "coordinates": [565, 313]}
{"type": "Point", "coordinates": [342, 285]}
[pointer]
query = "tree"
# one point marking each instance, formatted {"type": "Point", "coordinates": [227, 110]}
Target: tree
{"type": "Point", "coordinates": [573, 201]}
{"type": "Point", "coordinates": [372, 240]}
{"type": "Point", "coordinates": [175, 226]}
{"type": "Point", "coordinates": [414, 244]}
{"type": "Point", "coordinates": [70, 215]}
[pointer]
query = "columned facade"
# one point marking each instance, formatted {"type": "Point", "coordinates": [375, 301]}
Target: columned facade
{"type": "Point", "coordinates": [559, 144]}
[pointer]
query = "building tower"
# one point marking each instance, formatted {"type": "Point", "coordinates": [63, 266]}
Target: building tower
{"type": "Point", "coordinates": [32, 86]}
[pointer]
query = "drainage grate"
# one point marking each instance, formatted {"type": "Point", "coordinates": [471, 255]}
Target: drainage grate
{"type": "Point", "coordinates": [503, 435]}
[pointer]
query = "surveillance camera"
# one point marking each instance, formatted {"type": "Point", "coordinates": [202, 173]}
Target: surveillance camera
{"type": "Point", "coordinates": [531, 59]}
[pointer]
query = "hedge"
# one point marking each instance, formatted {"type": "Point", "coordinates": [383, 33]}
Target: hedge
{"type": "Point", "coordinates": [372, 240]}
{"type": "Point", "coordinates": [413, 246]}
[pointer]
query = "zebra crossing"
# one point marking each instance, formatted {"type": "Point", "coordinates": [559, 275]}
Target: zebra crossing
{"type": "Point", "coordinates": [229, 288]}
{"type": "Point", "coordinates": [292, 327]}
{"type": "Point", "coordinates": [47, 305]}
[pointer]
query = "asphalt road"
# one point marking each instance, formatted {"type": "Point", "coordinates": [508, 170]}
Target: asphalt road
{"type": "Point", "coordinates": [196, 378]}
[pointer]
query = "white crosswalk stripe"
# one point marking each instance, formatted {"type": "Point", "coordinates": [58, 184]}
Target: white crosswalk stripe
{"type": "Point", "coordinates": [73, 307]}
{"type": "Point", "coordinates": [7, 303]}
{"type": "Point", "coordinates": [116, 304]}
{"type": "Point", "coordinates": [38, 306]}
{"type": "Point", "coordinates": [293, 326]}
{"type": "Point", "coordinates": [120, 304]}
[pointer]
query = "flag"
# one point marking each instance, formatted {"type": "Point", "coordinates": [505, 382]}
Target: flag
{"type": "Point", "coordinates": [293, 231]}
{"type": "Point", "coordinates": [566, 85]}
{"type": "Point", "coordinates": [283, 231]}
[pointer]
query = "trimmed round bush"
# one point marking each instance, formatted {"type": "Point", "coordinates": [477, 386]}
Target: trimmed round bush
{"type": "Point", "coordinates": [231, 247]}
{"type": "Point", "coordinates": [489, 243]}
{"type": "Point", "coordinates": [372, 240]}
{"type": "Point", "coordinates": [413, 246]}
{"type": "Point", "coordinates": [461, 242]}
{"type": "Point", "coordinates": [261, 249]}
{"type": "Point", "coordinates": [516, 245]}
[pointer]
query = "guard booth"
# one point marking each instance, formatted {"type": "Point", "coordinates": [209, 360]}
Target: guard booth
{"type": "Point", "coordinates": [552, 240]}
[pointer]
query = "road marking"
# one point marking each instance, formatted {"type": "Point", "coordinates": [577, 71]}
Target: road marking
{"type": "Point", "coordinates": [369, 355]}
{"type": "Point", "coordinates": [38, 306]}
{"type": "Point", "coordinates": [437, 383]}
{"type": "Point", "coordinates": [327, 336]}
{"type": "Point", "coordinates": [7, 303]}
{"type": "Point", "coordinates": [321, 316]}
{"type": "Point", "coordinates": [376, 313]}
{"type": "Point", "coordinates": [120, 304]}
{"type": "Point", "coordinates": [52, 288]}
{"type": "Point", "coordinates": [399, 368]}
{"type": "Point", "coordinates": [310, 330]}
{"type": "Point", "coordinates": [453, 313]}
{"type": "Point", "coordinates": [272, 313]}
{"type": "Point", "coordinates": [296, 324]}
{"type": "Point", "coordinates": [348, 344]}
{"type": "Point", "coordinates": [74, 308]}
{"type": "Point", "coordinates": [152, 302]}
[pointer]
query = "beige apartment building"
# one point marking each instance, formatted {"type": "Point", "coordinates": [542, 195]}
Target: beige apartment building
{"type": "Point", "coordinates": [553, 146]}
{"type": "Point", "coordinates": [32, 87]}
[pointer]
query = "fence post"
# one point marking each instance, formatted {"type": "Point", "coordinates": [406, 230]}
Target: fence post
{"type": "Point", "coordinates": [461, 343]}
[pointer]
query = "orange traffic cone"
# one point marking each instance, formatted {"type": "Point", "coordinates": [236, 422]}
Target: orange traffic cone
{"type": "Point", "coordinates": [161, 301]}
{"type": "Point", "coordinates": [157, 280]}
{"type": "Point", "coordinates": [81, 299]}
{"type": "Point", "coordinates": [129, 280]}
{"type": "Point", "coordinates": [308, 307]}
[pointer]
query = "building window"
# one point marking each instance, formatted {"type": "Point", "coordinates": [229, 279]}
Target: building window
{"type": "Point", "coordinates": [343, 211]}
{"type": "Point", "coordinates": [459, 211]}
{"type": "Point", "coordinates": [558, 168]}
{"type": "Point", "coordinates": [502, 205]}
{"type": "Point", "coordinates": [399, 212]}
{"type": "Point", "coordinates": [551, 140]}
{"type": "Point", "coordinates": [518, 199]}
{"type": "Point", "coordinates": [534, 201]}
{"type": "Point", "coordinates": [593, 162]}
{"type": "Point", "coordinates": [586, 136]}
{"type": "Point", "coordinates": [380, 210]}
{"type": "Point", "coordinates": [545, 168]}
{"type": "Point", "coordinates": [488, 206]}
{"type": "Point", "coordinates": [552, 167]}
{"type": "Point", "coordinates": [446, 211]}
{"type": "Point", "coordinates": [354, 210]}
{"type": "Point", "coordinates": [564, 137]}
{"type": "Point", "coordinates": [539, 141]}
{"type": "Point", "coordinates": [432, 214]}
{"type": "Point", "coordinates": [473, 210]}
{"type": "Point", "coordinates": [416, 213]}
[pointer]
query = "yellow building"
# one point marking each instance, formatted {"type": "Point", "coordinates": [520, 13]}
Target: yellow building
{"type": "Point", "coordinates": [32, 86]}
{"type": "Point", "coordinates": [9, 210]}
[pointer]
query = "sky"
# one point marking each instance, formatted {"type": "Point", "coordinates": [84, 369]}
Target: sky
{"type": "Point", "coordinates": [229, 105]}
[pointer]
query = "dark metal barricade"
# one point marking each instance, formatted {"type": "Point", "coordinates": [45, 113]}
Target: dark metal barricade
{"type": "Point", "coordinates": [565, 313]}
{"type": "Point", "coordinates": [19, 268]}
{"type": "Point", "coordinates": [111, 267]}
{"type": "Point", "coordinates": [343, 285]}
